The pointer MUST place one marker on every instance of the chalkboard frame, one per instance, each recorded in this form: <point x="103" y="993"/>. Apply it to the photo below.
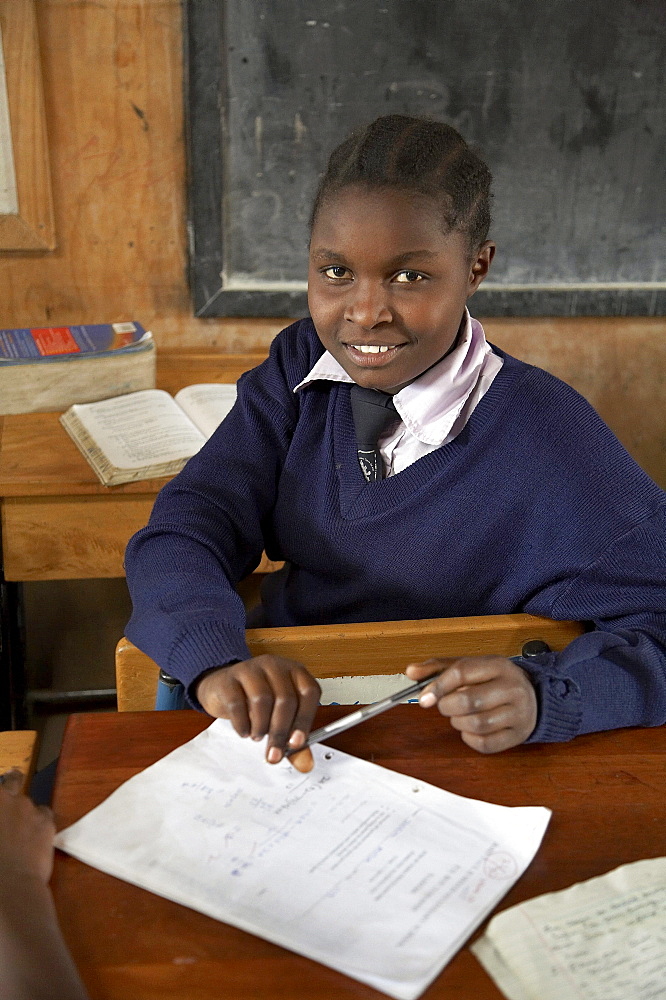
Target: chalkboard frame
<point x="205" y="100"/>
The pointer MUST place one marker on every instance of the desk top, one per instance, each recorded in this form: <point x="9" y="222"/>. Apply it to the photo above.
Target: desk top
<point x="37" y="457"/>
<point x="607" y="792"/>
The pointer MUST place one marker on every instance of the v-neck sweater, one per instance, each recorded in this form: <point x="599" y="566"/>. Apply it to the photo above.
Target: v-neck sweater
<point x="535" y="507"/>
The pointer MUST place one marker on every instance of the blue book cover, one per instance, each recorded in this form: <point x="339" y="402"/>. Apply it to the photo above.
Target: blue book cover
<point x="65" y="343"/>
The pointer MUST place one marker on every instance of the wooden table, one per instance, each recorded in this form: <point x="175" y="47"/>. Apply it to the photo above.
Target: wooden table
<point x="57" y="521"/>
<point x="607" y="792"/>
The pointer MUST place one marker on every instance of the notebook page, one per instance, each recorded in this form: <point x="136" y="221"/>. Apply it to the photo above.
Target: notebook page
<point x="207" y="404"/>
<point x="289" y="856"/>
<point x="603" y="939"/>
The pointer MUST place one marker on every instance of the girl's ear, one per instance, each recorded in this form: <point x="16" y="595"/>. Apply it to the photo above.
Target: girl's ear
<point x="480" y="266"/>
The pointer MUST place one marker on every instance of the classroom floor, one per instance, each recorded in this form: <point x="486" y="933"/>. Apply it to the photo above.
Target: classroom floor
<point x="71" y="627"/>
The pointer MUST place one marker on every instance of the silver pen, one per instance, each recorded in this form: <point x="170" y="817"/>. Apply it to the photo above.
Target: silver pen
<point x="360" y="715"/>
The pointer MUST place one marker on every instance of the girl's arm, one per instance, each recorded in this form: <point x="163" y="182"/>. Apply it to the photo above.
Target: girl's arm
<point x="611" y="677"/>
<point x="206" y="533"/>
<point x="614" y="675"/>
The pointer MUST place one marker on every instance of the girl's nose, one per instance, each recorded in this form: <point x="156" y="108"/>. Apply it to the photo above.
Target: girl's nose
<point x="368" y="306"/>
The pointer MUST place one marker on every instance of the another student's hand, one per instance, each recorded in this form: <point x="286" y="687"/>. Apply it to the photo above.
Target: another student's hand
<point x="489" y="699"/>
<point x="34" y="961"/>
<point x="26" y="834"/>
<point x="267" y="694"/>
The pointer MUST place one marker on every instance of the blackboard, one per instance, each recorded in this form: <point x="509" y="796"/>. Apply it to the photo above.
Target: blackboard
<point x="563" y="99"/>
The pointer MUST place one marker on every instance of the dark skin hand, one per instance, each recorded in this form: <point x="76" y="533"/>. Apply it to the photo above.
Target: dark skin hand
<point x="266" y="695"/>
<point x="489" y="699"/>
<point x="34" y="961"/>
<point x="26" y="833"/>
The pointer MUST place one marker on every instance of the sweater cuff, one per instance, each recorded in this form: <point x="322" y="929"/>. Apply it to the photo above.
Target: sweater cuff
<point x="202" y="648"/>
<point x="560" y="710"/>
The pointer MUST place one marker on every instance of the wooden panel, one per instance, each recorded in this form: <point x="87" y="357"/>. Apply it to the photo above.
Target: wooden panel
<point x="18" y="749"/>
<point x="52" y="539"/>
<point x="362" y="649"/>
<point x="387" y="647"/>
<point x="32" y="228"/>
<point x="74" y="539"/>
<point x="178" y="368"/>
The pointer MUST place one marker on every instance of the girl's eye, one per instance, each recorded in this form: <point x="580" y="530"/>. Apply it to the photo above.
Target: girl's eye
<point x="410" y="277"/>
<point x="336" y="271"/>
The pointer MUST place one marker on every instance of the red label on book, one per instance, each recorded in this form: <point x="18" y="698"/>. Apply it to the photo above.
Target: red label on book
<point x="54" y="340"/>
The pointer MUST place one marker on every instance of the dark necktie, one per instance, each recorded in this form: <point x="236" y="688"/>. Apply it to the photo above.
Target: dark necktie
<point x="373" y="412"/>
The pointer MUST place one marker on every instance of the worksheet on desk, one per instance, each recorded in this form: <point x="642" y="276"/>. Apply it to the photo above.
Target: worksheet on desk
<point x="376" y="874"/>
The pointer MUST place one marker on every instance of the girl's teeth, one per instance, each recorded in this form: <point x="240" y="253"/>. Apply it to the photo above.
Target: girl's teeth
<point x="372" y="348"/>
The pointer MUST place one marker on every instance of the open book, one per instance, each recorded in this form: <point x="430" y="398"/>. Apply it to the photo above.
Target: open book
<point x="148" y="434"/>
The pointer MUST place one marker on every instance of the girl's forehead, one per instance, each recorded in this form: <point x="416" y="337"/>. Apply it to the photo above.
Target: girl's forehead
<point x="358" y="199"/>
<point x="381" y="217"/>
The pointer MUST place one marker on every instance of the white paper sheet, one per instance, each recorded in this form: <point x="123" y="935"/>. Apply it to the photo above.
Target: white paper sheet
<point x="360" y="689"/>
<point x="604" y="939"/>
<point x="373" y="873"/>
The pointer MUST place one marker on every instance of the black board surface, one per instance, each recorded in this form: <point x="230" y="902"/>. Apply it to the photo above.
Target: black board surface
<point x="564" y="99"/>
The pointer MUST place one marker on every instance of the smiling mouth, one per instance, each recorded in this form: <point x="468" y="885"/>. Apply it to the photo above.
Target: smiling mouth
<point x="373" y="354"/>
<point x="373" y="348"/>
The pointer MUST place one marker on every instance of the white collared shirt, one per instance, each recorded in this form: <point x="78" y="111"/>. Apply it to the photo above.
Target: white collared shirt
<point x="437" y="405"/>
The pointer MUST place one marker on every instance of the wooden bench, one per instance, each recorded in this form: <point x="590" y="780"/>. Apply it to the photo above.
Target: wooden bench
<point x="364" y="649"/>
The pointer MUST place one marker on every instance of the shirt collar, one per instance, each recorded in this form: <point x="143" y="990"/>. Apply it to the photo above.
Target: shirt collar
<point x="430" y="405"/>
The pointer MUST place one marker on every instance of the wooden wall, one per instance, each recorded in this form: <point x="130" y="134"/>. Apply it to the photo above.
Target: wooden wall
<point x="112" y="72"/>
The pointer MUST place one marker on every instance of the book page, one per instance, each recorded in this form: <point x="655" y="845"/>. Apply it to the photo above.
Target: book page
<point x="140" y="429"/>
<point x="207" y="404"/>
<point x="289" y="856"/>
<point x="604" y="939"/>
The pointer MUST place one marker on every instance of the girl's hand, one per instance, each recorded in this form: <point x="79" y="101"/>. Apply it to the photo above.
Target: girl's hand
<point x="266" y="694"/>
<point x="489" y="699"/>
<point x="26" y="834"/>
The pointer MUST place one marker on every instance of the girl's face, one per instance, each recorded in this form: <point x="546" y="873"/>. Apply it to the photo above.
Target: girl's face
<point x="386" y="286"/>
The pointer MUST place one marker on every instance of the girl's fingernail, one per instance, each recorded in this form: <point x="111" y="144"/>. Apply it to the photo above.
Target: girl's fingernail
<point x="296" y="738"/>
<point x="274" y="755"/>
<point x="427" y="700"/>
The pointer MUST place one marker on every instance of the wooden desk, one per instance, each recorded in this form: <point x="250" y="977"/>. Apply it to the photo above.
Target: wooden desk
<point x="607" y="792"/>
<point x="57" y="521"/>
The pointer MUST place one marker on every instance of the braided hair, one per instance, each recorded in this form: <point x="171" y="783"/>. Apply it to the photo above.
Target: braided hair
<point x="417" y="155"/>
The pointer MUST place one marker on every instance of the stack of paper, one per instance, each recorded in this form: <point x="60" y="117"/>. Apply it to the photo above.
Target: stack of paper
<point x="604" y="939"/>
<point x="373" y="873"/>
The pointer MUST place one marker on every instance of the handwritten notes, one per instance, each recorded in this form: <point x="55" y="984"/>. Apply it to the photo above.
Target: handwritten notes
<point x="604" y="939"/>
<point x="373" y="873"/>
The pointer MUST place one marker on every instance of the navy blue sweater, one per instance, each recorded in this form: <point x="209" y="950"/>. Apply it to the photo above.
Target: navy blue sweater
<point x="534" y="507"/>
